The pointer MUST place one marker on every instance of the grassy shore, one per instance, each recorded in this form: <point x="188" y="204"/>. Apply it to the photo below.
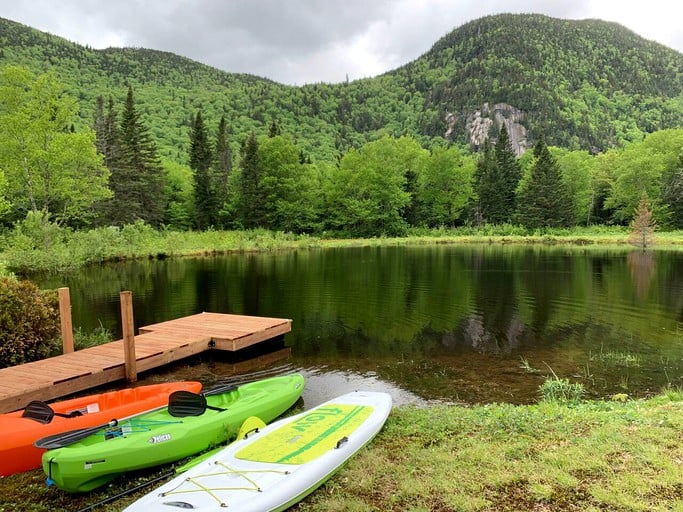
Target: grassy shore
<point x="616" y="455"/>
<point x="53" y="249"/>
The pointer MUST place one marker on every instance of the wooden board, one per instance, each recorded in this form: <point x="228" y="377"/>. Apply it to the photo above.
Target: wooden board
<point x="155" y="346"/>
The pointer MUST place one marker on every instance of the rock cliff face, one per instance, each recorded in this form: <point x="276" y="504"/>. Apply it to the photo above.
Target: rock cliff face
<point x="486" y="123"/>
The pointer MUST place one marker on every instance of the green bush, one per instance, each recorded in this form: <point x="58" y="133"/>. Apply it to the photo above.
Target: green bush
<point x="561" y="390"/>
<point x="29" y="322"/>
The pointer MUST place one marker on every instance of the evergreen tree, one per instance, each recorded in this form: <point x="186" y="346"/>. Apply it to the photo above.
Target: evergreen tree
<point x="410" y="213"/>
<point x="274" y="130"/>
<point x="222" y="164"/>
<point x="643" y="225"/>
<point x="250" y="209"/>
<point x="141" y="194"/>
<point x="509" y="174"/>
<point x="201" y="157"/>
<point x="496" y="178"/>
<point x="99" y="125"/>
<point x="108" y="143"/>
<point x="485" y="185"/>
<point x="544" y="201"/>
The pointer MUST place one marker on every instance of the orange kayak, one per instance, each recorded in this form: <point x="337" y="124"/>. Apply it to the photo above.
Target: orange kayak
<point x="20" y="429"/>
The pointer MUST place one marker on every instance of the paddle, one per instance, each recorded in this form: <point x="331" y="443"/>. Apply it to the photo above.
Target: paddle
<point x="72" y="436"/>
<point x="185" y="403"/>
<point x="43" y="413"/>
<point x="181" y="405"/>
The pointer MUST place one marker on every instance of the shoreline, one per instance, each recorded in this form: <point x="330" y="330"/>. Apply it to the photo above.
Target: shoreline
<point x="581" y="455"/>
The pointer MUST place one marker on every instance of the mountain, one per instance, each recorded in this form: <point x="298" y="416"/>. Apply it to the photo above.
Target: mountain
<point x="582" y="84"/>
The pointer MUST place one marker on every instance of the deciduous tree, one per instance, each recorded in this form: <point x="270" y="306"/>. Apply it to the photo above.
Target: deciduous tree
<point x="286" y="186"/>
<point x="444" y="187"/>
<point x="644" y="167"/>
<point x="672" y="194"/>
<point x="366" y="192"/>
<point x="50" y="169"/>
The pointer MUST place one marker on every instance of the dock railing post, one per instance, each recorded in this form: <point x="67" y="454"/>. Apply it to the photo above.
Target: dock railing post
<point x="65" y="320"/>
<point x="128" y="327"/>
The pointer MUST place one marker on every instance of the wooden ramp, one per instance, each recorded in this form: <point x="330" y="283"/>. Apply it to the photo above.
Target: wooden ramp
<point x="155" y="345"/>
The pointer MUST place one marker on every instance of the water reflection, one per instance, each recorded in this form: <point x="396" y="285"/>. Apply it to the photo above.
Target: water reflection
<point x="642" y="266"/>
<point x="452" y="323"/>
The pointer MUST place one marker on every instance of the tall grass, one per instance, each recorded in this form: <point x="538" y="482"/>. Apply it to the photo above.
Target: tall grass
<point x="34" y="245"/>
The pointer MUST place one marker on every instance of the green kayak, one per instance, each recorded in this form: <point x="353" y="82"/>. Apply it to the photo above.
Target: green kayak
<point x="190" y="424"/>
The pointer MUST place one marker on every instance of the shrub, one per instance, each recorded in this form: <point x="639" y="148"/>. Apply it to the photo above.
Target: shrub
<point x="29" y="321"/>
<point x="561" y="390"/>
<point x="98" y="336"/>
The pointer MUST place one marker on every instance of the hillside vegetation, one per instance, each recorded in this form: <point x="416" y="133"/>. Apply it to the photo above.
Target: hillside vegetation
<point x="582" y="84"/>
<point x="115" y="138"/>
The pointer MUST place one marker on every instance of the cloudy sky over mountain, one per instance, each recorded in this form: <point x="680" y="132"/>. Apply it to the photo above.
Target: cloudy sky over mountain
<point x="305" y="41"/>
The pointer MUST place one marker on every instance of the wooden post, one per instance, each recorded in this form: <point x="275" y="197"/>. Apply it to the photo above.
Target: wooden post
<point x="128" y="335"/>
<point x="65" y="319"/>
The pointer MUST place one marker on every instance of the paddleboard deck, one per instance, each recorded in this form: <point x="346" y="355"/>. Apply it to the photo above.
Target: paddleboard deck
<point x="277" y="466"/>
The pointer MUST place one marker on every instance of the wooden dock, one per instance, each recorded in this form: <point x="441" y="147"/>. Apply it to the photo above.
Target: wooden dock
<point x="155" y="345"/>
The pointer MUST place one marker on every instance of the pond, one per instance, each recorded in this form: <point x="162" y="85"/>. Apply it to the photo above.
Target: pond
<point x="445" y="323"/>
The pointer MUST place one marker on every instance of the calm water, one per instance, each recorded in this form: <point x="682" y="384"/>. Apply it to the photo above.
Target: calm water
<point x="440" y="323"/>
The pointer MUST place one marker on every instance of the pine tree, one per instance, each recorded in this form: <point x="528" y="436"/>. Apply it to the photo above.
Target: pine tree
<point x="485" y="185"/>
<point x="274" y="130"/>
<point x="544" y="202"/>
<point x="496" y="178"/>
<point x="99" y="125"/>
<point x="115" y="210"/>
<point x="643" y="225"/>
<point x="201" y="157"/>
<point x="141" y="184"/>
<point x="250" y="209"/>
<point x="222" y="165"/>
<point x="509" y="174"/>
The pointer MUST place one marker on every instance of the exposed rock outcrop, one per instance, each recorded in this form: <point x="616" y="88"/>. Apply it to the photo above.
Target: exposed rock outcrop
<point x="486" y="123"/>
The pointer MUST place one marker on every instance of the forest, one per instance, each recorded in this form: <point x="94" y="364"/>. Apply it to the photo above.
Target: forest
<point x="95" y="138"/>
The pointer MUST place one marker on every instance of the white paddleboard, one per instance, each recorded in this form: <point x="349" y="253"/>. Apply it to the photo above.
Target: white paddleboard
<point x="277" y="466"/>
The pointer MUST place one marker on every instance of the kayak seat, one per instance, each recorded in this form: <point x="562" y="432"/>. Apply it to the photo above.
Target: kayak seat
<point x="38" y="411"/>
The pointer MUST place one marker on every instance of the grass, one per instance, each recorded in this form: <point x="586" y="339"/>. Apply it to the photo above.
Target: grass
<point x="623" y="359"/>
<point x="554" y="455"/>
<point x="24" y="249"/>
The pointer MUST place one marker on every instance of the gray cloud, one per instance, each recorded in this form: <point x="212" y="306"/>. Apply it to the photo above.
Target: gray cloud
<point x="303" y="41"/>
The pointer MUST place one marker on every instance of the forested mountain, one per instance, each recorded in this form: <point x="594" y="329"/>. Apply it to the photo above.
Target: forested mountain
<point x="146" y="136"/>
<point x="580" y="84"/>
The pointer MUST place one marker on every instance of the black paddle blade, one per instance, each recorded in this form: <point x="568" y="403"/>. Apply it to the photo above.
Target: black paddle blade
<point x="185" y="403"/>
<point x="38" y="411"/>
<point x="70" y="437"/>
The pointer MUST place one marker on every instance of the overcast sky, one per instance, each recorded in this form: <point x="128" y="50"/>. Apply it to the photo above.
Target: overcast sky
<point x="305" y="41"/>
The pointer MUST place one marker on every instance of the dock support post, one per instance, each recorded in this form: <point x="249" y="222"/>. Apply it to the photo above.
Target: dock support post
<point x="65" y="320"/>
<point x="128" y="327"/>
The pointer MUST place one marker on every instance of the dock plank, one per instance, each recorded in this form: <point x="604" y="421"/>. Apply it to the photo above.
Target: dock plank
<point x="156" y="345"/>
